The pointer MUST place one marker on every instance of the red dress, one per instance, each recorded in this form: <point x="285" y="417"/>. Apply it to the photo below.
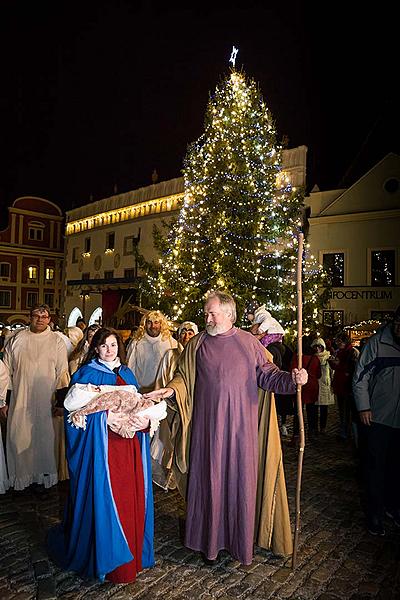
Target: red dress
<point x="127" y="484"/>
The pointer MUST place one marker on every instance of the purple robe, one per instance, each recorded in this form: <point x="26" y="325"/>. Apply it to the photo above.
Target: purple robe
<point x="222" y="484"/>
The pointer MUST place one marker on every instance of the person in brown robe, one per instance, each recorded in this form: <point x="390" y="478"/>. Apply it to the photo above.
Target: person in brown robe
<point x="218" y="465"/>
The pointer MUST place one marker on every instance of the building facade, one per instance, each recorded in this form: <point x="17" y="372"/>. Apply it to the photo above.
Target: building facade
<point x="31" y="259"/>
<point x="355" y="233"/>
<point x="104" y="238"/>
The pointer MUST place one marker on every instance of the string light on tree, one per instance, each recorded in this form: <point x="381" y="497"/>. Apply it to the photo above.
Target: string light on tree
<point x="238" y="225"/>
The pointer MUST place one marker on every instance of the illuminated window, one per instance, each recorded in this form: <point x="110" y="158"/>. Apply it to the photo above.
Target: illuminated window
<point x="333" y="318"/>
<point x="32" y="273"/>
<point x="383" y="265"/>
<point x="333" y="264"/>
<point x="49" y="275"/>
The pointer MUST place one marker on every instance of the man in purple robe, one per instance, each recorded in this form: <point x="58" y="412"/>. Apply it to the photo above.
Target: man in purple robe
<point x="215" y="391"/>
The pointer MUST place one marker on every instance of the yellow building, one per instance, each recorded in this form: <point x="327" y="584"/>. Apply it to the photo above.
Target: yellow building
<point x="355" y="234"/>
<point x="103" y="238"/>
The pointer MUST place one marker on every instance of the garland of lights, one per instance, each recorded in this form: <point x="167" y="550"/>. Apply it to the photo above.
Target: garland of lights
<point x="237" y="227"/>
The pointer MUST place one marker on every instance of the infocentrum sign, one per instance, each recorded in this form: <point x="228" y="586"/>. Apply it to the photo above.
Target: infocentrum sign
<point x="361" y="295"/>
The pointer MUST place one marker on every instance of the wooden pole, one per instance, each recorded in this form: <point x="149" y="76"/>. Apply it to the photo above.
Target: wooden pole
<point x="302" y="440"/>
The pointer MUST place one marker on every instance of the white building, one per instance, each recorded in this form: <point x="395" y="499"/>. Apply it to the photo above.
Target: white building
<point x="355" y="233"/>
<point x="102" y="240"/>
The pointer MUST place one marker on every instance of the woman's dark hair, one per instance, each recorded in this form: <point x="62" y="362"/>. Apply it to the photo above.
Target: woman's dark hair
<point x="99" y="338"/>
<point x="306" y="345"/>
<point x="81" y="345"/>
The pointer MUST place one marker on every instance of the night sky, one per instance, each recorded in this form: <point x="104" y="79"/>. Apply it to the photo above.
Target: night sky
<point x="100" y="94"/>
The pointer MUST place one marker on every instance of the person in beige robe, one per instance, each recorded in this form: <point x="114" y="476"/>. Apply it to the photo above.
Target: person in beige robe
<point x="162" y="449"/>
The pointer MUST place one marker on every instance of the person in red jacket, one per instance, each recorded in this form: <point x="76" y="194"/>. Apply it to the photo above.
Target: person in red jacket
<point x="309" y="391"/>
<point x="344" y="364"/>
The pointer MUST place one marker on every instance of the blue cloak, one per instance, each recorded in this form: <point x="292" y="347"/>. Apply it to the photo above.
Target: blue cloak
<point x="90" y="540"/>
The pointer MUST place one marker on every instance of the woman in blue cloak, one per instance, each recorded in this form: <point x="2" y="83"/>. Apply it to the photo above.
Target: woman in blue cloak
<point x="108" y="527"/>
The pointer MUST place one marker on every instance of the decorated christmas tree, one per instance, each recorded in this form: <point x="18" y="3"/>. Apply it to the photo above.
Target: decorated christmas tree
<point x="237" y="228"/>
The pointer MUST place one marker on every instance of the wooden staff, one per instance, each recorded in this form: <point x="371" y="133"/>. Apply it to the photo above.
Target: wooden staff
<point x="298" y="396"/>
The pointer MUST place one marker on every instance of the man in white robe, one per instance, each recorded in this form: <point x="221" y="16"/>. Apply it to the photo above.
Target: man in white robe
<point x="36" y="359"/>
<point x="152" y="340"/>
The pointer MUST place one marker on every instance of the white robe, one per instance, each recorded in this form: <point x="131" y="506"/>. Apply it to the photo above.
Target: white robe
<point x="38" y="365"/>
<point x="144" y="358"/>
<point x="4" y="484"/>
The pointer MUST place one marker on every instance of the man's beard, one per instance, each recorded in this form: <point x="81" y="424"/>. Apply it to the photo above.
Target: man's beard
<point x="215" y="329"/>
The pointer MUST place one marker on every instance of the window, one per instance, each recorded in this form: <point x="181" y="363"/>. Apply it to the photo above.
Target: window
<point x="5" y="270"/>
<point x="108" y="274"/>
<point x="49" y="275"/>
<point x="110" y="241"/>
<point x="383" y="265"/>
<point x="382" y="315"/>
<point x="5" y="298"/>
<point x="87" y="244"/>
<point x="49" y="299"/>
<point x="333" y="318"/>
<point x="85" y="276"/>
<point x="31" y="299"/>
<point x="35" y="231"/>
<point x="131" y="244"/>
<point x="32" y="273"/>
<point x="129" y="273"/>
<point x="75" y="255"/>
<point x="333" y="264"/>
<point x="391" y="185"/>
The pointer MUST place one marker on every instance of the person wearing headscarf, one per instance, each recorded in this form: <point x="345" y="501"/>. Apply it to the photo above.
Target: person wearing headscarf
<point x="108" y="528"/>
<point x="326" y="397"/>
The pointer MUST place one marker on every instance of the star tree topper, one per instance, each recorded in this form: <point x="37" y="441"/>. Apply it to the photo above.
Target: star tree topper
<point x="233" y="56"/>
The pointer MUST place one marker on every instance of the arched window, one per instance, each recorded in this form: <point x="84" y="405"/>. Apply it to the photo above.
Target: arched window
<point x="96" y="316"/>
<point x="73" y="316"/>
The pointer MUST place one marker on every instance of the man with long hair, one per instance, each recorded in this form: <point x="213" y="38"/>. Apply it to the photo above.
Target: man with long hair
<point x="151" y="341"/>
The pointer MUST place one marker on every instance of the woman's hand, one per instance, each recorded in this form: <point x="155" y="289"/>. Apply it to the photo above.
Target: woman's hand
<point x="158" y="395"/>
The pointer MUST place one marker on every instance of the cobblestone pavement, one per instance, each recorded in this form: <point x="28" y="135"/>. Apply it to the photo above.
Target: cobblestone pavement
<point x="337" y="558"/>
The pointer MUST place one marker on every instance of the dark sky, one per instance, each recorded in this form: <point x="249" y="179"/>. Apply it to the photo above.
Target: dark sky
<point x="98" y="94"/>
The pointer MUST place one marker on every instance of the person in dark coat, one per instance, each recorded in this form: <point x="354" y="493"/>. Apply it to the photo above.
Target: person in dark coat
<point x="376" y="386"/>
<point x="344" y="364"/>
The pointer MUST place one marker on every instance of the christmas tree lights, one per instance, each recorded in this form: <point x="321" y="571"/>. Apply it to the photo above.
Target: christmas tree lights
<point x="238" y="225"/>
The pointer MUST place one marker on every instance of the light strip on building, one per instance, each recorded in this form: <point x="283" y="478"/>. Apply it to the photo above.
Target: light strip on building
<point x="126" y="213"/>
